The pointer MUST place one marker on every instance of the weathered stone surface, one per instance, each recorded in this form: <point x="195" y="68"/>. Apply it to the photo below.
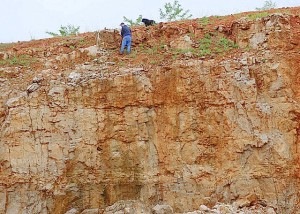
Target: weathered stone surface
<point x="72" y="211"/>
<point x="232" y="209"/>
<point x="37" y="79"/>
<point x="183" y="42"/>
<point x="185" y="133"/>
<point x="92" y="51"/>
<point x="264" y="32"/>
<point x="162" y="209"/>
<point x="90" y="211"/>
<point x="33" y="87"/>
<point x="128" y="207"/>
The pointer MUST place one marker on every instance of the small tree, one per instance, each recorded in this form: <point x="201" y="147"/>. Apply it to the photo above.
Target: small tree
<point x="267" y="5"/>
<point x="172" y="12"/>
<point x="130" y="22"/>
<point x="65" y="31"/>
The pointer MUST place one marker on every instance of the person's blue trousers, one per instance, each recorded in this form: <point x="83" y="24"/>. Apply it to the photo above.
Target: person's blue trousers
<point x="126" y="42"/>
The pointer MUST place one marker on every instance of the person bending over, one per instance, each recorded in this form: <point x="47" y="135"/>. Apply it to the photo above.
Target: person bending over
<point x="126" y="38"/>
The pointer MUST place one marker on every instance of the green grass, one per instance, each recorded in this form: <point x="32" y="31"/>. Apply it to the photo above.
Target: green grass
<point x="151" y="51"/>
<point x="175" y="56"/>
<point x="142" y="46"/>
<point x="82" y="41"/>
<point x="217" y="17"/>
<point x="257" y="15"/>
<point x="210" y="44"/>
<point x="133" y="54"/>
<point x="227" y="44"/>
<point x="183" y="51"/>
<point x="248" y="48"/>
<point x="223" y="45"/>
<point x="205" y="45"/>
<point x="204" y="52"/>
<point x="23" y="60"/>
<point x="204" y="21"/>
<point x="153" y="62"/>
<point x="162" y="45"/>
<point x="287" y="12"/>
<point x="192" y="35"/>
<point x="4" y="46"/>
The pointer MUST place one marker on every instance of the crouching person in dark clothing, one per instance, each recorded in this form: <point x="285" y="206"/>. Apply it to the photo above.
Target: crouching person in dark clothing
<point x="126" y="38"/>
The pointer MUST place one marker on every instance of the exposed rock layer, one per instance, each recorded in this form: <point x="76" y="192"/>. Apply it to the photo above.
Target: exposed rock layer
<point x="197" y="131"/>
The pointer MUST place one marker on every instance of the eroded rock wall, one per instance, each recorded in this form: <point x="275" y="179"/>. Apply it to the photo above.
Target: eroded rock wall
<point x="195" y="132"/>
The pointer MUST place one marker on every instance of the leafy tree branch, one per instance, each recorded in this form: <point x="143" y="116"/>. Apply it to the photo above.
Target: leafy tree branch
<point x="65" y="31"/>
<point x="172" y="12"/>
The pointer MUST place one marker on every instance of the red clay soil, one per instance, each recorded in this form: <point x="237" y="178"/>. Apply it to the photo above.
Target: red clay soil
<point x="37" y="49"/>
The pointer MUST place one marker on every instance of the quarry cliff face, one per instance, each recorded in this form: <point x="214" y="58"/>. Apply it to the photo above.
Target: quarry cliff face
<point x="186" y="131"/>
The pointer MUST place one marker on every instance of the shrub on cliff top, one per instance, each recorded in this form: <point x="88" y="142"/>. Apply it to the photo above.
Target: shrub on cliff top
<point x="172" y="12"/>
<point x="131" y="22"/>
<point x="267" y="5"/>
<point x="65" y="31"/>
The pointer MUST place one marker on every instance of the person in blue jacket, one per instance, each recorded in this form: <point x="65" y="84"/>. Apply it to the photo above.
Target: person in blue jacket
<point x="126" y="38"/>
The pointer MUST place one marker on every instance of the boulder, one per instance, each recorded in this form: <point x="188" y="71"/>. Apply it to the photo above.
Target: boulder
<point x="162" y="209"/>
